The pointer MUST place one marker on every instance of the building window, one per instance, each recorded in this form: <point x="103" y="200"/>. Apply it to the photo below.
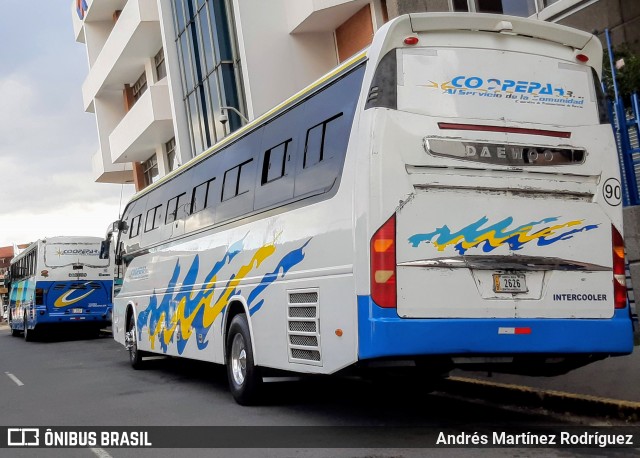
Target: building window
<point x="522" y="8"/>
<point x="210" y="68"/>
<point x="161" y="69"/>
<point x="150" y="170"/>
<point x="460" y="5"/>
<point x="172" y="158"/>
<point x="139" y="87"/>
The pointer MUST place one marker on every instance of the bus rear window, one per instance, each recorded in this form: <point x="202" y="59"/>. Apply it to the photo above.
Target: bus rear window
<point x="495" y="85"/>
<point x="65" y="254"/>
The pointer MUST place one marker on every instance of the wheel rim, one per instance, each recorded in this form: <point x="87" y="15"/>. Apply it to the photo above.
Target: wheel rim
<point x="238" y="360"/>
<point x="134" y="348"/>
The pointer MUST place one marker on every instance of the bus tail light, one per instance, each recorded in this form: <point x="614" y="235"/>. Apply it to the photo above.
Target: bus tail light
<point x="39" y="296"/>
<point x="619" y="277"/>
<point x="383" y="265"/>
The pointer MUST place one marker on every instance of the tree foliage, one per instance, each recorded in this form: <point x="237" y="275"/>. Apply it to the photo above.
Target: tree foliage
<point x="628" y="77"/>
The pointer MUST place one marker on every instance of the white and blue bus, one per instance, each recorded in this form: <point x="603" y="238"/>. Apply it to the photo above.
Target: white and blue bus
<point x="60" y="281"/>
<point x="449" y="197"/>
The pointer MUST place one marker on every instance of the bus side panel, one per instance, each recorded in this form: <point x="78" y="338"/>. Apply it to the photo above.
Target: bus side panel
<point x="21" y="303"/>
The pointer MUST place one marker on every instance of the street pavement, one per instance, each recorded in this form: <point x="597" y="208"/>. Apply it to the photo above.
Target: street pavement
<point x="612" y="378"/>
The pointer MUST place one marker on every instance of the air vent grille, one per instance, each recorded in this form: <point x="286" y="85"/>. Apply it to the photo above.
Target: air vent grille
<point x="304" y="327"/>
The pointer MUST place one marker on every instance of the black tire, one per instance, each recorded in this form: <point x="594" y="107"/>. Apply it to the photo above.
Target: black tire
<point x="245" y="378"/>
<point x="135" y="355"/>
<point x="14" y="332"/>
<point x="29" y="335"/>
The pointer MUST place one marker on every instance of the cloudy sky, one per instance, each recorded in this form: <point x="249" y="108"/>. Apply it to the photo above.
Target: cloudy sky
<point x="47" y="141"/>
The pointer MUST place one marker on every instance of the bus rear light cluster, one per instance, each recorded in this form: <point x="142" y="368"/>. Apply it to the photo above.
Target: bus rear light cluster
<point x="619" y="277"/>
<point x="411" y="41"/>
<point x="383" y="265"/>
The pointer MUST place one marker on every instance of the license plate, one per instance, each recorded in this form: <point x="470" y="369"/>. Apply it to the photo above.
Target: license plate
<point x="509" y="283"/>
<point x="77" y="310"/>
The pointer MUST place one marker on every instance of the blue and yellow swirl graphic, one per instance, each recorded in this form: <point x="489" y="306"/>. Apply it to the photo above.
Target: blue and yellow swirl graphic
<point x="183" y="311"/>
<point x="542" y="232"/>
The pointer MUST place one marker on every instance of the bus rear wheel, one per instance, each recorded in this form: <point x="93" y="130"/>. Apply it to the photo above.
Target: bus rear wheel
<point x="14" y="332"/>
<point x="245" y="378"/>
<point x="29" y="335"/>
<point x="135" y="355"/>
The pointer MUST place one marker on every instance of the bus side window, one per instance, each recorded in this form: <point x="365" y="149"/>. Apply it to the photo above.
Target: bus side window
<point x="319" y="145"/>
<point x="199" y="200"/>
<point x="320" y="167"/>
<point x="274" y="163"/>
<point x="134" y="230"/>
<point x="152" y="220"/>
<point x="172" y="207"/>
<point x="236" y="180"/>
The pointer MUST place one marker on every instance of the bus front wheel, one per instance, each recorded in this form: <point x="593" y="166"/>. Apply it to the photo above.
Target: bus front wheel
<point x="135" y="355"/>
<point x="245" y="378"/>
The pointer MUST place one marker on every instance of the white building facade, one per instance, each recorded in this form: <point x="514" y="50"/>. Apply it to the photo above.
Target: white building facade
<point x="168" y="79"/>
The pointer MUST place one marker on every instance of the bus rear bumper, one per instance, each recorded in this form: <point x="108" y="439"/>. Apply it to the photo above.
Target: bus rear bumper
<point x="382" y="333"/>
<point x="97" y="318"/>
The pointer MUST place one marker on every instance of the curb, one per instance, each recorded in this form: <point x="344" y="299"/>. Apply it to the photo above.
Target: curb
<point x="557" y="401"/>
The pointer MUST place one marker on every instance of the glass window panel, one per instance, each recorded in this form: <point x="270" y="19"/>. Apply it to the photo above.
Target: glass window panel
<point x="196" y="127"/>
<point x="512" y="7"/>
<point x="135" y="227"/>
<point x="212" y="199"/>
<point x="230" y="184"/>
<point x="333" y="140"/>
<point x="246" y="178"/>
<point x="173" y="206"/>
<point x="196" y="41"/>
<point x="222" y="35"/>
<point x="179" y="15"/>
<point x="186" y="62"/>
<point x="199" y="200"/>
<point x="206" y="44"/>
<point x="204" y="113"/>
<point x="151" y="215"/>
<point x="189" y="9"/>
<point x="460" y="5"/>
<point x="158" y="217"/>
<point x="213" y="135"/>
<point x="274" y="162"/>
<point x="313" y="146"/>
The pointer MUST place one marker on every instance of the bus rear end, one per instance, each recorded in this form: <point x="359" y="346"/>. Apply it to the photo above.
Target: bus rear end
<point x="75" y="286"/>
<point x="496" y="214"/>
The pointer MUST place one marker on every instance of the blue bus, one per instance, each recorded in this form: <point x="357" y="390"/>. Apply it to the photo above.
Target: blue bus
<point x="60" y="280"/>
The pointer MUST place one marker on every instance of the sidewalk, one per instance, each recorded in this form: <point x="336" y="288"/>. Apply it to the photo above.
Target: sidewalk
<point x="614" y="378"/>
